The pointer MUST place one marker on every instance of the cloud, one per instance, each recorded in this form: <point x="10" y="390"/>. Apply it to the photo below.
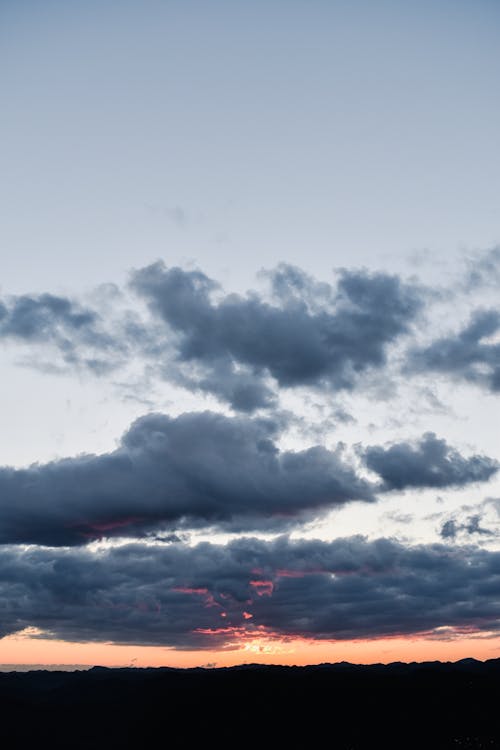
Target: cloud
<point x="195" y="469"/>
<point x="239" y="348"/>
<point x="483" y="270"/>
<point x="245" y="349"/>
<point x="309" y="334"/>
<point x="200" y="597"/>
<point x="472" y="525"/>
<point x="472" y="354"/>
<point x="75" y="331"/>
<point x="203" y="469"/>
<point x="429" y="463"/>
<point x="244" y="390"/>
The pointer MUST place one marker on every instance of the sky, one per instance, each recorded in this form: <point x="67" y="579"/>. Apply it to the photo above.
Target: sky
<point x="249" y="332"/>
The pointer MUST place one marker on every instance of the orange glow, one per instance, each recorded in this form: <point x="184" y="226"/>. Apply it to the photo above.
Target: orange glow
<point x="282" y="573"/>
<point x="263" y="588"/>
<point x="249" y="646"/>
<point x="209" y="599"/>
<point x="247" y="615"/>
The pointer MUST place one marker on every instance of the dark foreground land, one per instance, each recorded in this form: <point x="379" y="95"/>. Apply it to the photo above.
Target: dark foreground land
<point x="340" y="706"/>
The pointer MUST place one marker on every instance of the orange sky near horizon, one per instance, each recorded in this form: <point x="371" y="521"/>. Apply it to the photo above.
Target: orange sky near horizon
<point x="22" y="649"/>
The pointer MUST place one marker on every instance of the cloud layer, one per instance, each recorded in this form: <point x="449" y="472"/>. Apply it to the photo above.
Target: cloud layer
<point x="218" y="596"/>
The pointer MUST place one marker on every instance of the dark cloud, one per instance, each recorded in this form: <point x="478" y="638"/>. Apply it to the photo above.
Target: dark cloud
<point x="208" y="470"/>
<point x="43" y="317"/>
<point x="196" y="469"/>
<point x="472" y="525"/>
<point x="75" y="331"/>
<point x="467" y="355"/>
<point x="246" y="391"/>
<point x="243" y="349"/>
<point x="311" y="334"/>
<point x="449" y="529"/>
<point x="211" y="596"/>
<point x="431" y="463"/>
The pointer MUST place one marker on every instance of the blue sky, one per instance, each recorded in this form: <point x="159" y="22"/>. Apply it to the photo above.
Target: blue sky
<point x="240" y="134"/>
<point x="343" y="139"/>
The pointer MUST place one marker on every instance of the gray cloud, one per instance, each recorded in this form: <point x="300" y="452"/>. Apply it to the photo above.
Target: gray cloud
<point x="244" y="348"/>
<point x="240" y="349"/>
<point x="472" y="525"/>
<point x="483" y="270"/>
<point x="312" y="334"/>
<point x="77" y="332"/>
<point x="206" y="469"/>
<point x="196" y="469"/>
<point x="245" y="390"/>
<point x="466" y="355"/>
<point x="210" y="595"/>
<point x="429" y="463"/>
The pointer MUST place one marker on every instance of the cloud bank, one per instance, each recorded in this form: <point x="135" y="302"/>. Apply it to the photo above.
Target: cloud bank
<point x="213" y="596"/>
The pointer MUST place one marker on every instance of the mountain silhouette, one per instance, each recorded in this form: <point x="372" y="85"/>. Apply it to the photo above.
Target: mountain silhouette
<point x="343" y="706"/>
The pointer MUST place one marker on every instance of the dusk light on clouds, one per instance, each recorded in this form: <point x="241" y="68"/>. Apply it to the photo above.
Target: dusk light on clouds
<point x="249" y="332"/>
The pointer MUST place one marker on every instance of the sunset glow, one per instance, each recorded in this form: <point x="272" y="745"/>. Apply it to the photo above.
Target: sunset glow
<point x="23" y="649"/>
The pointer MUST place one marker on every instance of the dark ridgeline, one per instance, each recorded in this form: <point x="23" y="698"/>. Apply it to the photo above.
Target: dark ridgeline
<point x="340" y="706"/>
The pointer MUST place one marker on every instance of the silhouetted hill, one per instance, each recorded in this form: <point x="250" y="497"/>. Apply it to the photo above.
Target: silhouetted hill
<point x="342" y="706"/>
